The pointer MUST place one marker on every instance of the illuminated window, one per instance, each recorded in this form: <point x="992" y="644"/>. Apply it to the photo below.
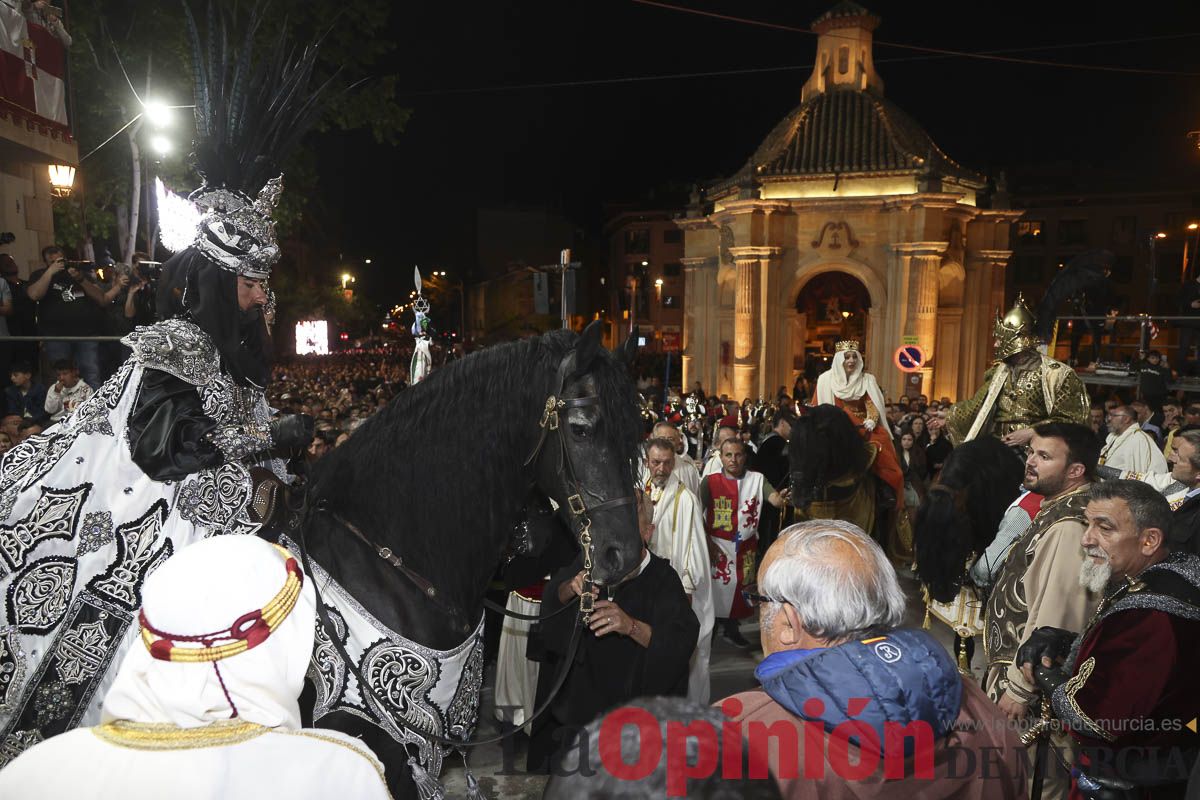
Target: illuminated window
<point x="1029" y="231"/>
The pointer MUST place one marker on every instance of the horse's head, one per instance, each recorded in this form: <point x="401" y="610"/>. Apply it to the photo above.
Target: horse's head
<point x="585" y="459"/>
<point x="824" y="446"/>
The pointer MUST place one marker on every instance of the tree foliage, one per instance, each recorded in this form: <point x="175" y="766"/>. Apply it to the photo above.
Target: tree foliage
<point x="127" y="50"/>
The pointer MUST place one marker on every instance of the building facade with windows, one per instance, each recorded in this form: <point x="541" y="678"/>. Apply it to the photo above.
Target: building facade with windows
<point x="644" y="281"/>
<point x="34" y="130"/>
<point x="847" y="222"/>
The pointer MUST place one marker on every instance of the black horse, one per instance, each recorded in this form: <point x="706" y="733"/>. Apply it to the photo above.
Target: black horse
<point x="439" y="477"/>
<point x="956" y="523"/>
<point x="962" y="511"/>
<point x="831" y="465"/>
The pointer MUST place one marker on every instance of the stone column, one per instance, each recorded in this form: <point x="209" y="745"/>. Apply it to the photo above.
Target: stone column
<point x="924" y="259"/>
<point x="745" y="330"/>
<point x="692" y="346"/>
<point x="981" y="299"/>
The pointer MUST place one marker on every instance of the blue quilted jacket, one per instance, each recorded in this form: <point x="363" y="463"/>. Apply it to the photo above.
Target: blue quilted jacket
<point x="902" y="677"/>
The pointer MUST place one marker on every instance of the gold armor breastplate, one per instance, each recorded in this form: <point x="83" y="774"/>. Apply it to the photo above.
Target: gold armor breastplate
<point x="1023" y="399"/>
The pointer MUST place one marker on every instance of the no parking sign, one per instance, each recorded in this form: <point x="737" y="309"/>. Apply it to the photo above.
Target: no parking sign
<point x="910" y="358"/>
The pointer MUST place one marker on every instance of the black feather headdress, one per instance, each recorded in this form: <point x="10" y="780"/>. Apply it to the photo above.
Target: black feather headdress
<point x="250" y="114"/>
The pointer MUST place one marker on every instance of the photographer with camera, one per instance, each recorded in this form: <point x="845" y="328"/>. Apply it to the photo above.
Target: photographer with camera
<point x="61" y="293"/>
<point x="139" y="295"/>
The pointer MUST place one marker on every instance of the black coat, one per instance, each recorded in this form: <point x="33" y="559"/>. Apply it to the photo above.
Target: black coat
<point x="613" y="669"/>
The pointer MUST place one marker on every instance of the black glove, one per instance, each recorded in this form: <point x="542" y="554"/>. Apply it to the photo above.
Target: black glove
<point x="1053" y="644"/>
<point x="292" y="431"/>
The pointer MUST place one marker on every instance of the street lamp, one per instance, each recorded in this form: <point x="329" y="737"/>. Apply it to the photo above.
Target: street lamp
<point x="160" y="145"/>
<point x="62" y="178"/>
<point x="157" y="113"/>
<point x="347" y="278"/>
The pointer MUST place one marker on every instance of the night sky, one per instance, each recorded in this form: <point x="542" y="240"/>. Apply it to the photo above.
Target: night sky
<point x="578" y="149"/>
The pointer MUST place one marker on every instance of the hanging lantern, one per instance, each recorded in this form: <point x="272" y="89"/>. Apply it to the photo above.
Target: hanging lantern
<point x="62" y="178"/>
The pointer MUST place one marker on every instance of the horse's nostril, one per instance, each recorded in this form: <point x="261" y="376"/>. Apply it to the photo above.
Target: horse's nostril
<point x="612" y="559"/>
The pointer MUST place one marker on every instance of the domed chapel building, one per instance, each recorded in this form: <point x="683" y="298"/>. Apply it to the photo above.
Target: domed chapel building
<point x="848" y="221"/>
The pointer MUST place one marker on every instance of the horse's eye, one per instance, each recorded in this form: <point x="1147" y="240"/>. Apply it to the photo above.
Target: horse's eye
<point x="580" y="431"/>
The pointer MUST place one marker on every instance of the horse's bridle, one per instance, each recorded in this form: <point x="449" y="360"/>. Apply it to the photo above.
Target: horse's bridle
<point x="578" y="510"/>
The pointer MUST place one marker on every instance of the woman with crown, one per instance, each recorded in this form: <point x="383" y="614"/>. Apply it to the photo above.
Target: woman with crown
<point x="854" y="390"/>
<point x="162" y="454"/>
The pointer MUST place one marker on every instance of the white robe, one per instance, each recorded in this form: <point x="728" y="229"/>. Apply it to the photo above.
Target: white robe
<point x="516" y="675"/>
<point x="193" y="700"/>
<point x="1134" y="450"/>
<point x="80" y="765"/>
<point x="679" y="537"/>
<point x="687" y="471"/>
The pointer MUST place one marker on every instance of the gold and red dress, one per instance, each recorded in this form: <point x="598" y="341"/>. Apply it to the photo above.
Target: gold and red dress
<point x="886" y="465"/>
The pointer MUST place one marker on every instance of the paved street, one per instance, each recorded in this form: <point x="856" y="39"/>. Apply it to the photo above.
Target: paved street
<point x="732" y="671"/>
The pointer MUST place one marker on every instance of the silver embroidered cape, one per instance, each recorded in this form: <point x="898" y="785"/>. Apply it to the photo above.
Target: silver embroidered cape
<point x="81" y="526"/>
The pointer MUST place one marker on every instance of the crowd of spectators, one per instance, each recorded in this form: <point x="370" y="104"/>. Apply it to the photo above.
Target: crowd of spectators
<point x="340" y="391"/>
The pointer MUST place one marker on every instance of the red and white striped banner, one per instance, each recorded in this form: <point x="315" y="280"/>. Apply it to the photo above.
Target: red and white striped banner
<point x="32" y="67"/>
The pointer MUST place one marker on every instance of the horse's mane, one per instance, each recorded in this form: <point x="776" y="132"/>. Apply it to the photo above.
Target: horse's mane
<point x="962" y="511"/>
<point x="827" y="445"/>
<point x="438" y="473"/>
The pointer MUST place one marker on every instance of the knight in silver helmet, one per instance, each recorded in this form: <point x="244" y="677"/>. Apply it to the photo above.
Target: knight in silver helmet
<point x="1023" y="388"/>
<point x="162" y="453"/>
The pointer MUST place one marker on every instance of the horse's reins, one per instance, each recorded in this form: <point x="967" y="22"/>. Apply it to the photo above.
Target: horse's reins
<point x="580" y="523"/>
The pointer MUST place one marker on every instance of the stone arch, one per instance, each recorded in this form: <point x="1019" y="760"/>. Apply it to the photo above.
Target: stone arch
<point x="865" y="275"/>
<point x="803" y="275"/>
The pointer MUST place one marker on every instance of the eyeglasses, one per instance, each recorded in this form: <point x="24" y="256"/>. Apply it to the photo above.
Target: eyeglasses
<point x="753" y="598"/>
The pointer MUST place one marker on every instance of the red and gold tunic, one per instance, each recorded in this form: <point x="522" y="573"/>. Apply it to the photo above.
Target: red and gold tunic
<point x="887" y="465"/>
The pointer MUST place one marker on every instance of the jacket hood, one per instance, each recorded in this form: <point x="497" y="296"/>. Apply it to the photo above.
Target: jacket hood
<point x="890" y="680"/>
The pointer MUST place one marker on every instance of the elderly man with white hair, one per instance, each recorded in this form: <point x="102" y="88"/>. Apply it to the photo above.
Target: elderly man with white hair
<point x="891" y="704"/>
<point x="685" y="468"/>
<point x="205" y="704"/>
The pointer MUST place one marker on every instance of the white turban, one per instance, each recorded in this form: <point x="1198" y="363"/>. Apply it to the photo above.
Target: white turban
<point x="203" y="588"/>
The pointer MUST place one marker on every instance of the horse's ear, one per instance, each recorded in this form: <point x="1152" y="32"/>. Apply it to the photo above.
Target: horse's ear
<point x="588" y="346"/>
<point x="628" y="350"/>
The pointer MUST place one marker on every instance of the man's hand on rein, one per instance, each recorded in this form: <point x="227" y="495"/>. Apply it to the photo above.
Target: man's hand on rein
<point x="609" y="618"/>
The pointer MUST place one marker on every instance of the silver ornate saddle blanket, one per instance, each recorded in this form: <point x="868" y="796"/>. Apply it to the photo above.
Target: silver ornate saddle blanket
<point x="432" y="690"/>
